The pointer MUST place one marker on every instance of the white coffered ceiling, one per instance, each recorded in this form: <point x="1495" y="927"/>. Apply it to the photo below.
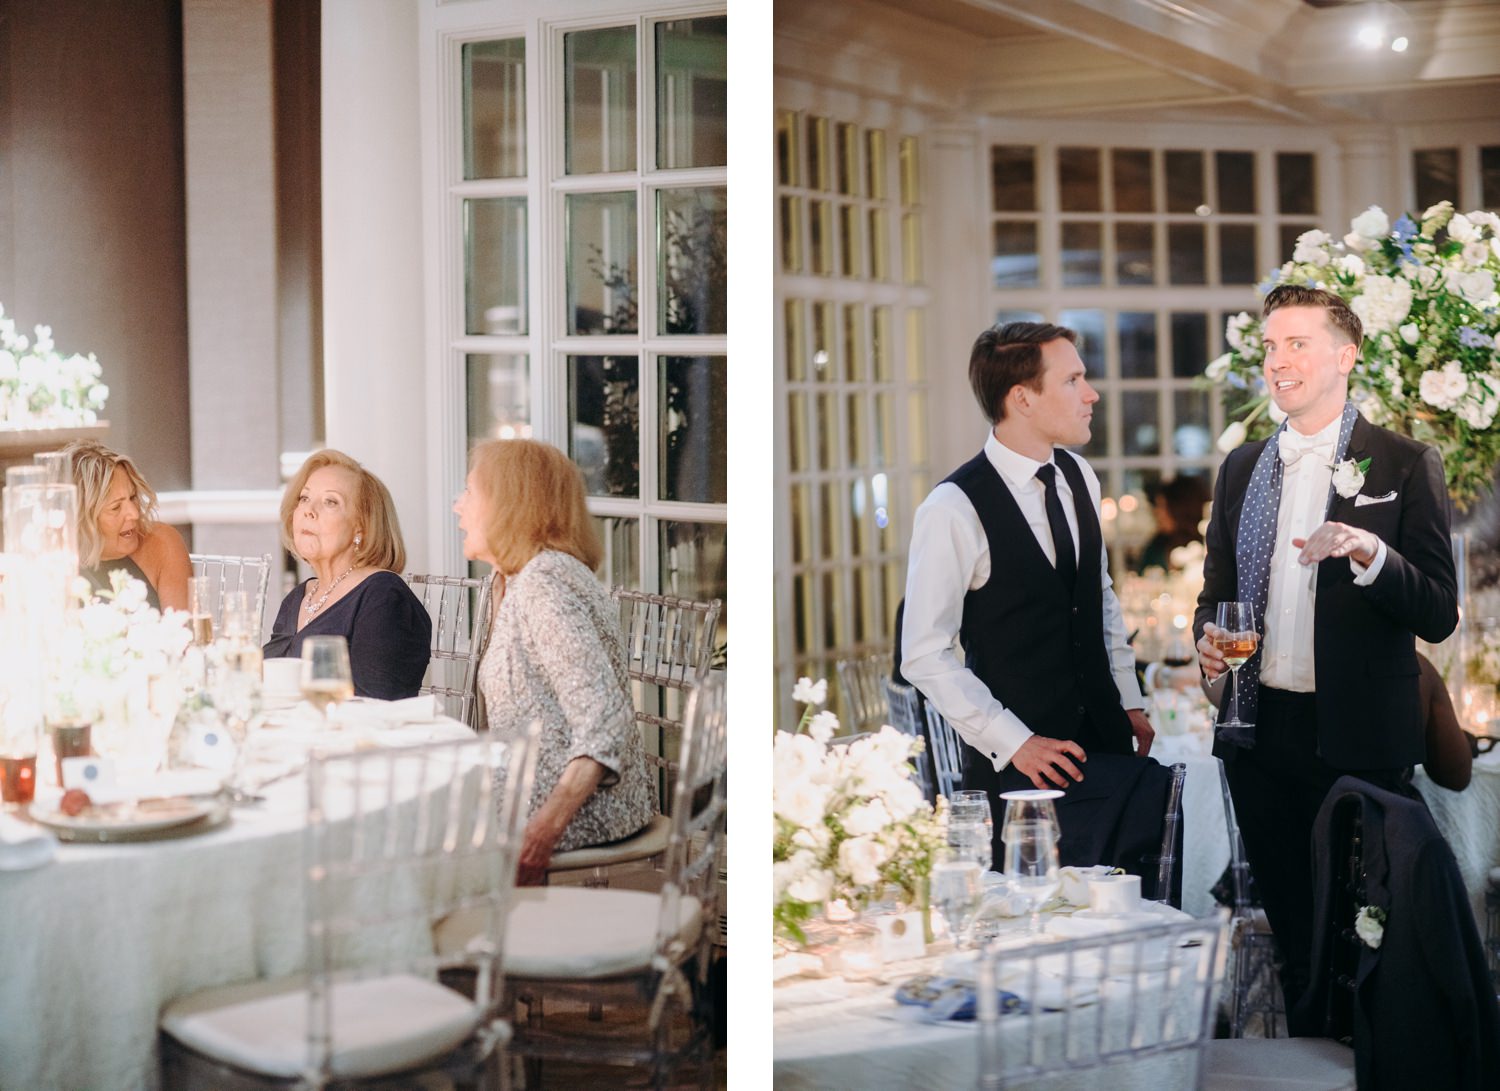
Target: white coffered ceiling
<point x="1137" y="60"/>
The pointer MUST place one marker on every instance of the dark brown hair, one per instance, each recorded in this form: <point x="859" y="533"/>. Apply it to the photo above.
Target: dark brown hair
<point x="1340" y="317"/>
<point x="1007" y="356"/>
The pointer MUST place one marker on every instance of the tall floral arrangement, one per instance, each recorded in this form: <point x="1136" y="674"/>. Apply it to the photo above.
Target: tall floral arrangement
<point x="847" y="819"/>
<point x="41" y="388"/>
<point x="1425" y="290"/>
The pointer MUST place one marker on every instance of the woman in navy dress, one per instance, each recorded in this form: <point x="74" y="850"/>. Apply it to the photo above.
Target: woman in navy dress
<point x="339" y="518"/>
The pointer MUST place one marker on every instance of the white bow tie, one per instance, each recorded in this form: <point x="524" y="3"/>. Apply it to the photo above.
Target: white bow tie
<point x="1293" y="445"/>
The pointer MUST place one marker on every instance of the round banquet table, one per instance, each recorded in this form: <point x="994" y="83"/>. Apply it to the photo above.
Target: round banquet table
<point x="99" y="940"/>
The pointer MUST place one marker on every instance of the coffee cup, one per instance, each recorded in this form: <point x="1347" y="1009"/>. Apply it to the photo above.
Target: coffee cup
<point x="1115" y="894"/>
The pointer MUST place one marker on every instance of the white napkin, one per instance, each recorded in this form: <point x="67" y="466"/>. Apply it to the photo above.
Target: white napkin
<point x="23" y="845"/>
<point x="1074" y="885"/>
<point x="359" y="713"/>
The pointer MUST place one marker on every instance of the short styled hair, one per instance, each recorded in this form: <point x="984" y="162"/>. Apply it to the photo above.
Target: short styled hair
<point x="1340" y="317"/>
<point x="374" y="512"/>
<point x="536" y="501"/>
<point x="94" y="466"/>
<point x="1008" y="356"/>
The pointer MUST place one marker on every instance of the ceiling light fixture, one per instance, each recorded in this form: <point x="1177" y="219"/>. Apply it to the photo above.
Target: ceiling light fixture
<point x="1398" y="45"/>
<point x="1371" y="35"/>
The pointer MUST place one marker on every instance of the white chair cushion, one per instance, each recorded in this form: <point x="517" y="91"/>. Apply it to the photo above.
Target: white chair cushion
<point x="1277" y="1064"/>
<point x="651" y="841"/>
<point x="576" y="933"/>
<point x="381" y="1024"/>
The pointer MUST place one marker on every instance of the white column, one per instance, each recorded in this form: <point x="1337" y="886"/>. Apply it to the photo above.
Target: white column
<point x="1370" y="173"/>
<point x="374" y="390"/>
<point x="233" y="316"/>
<point x="959" y="225"/>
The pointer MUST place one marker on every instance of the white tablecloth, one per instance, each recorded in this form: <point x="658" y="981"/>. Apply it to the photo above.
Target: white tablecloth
<point x="97" y="942"/>
<point x="1205" y="836"/>
<point x="832" y="1035"/>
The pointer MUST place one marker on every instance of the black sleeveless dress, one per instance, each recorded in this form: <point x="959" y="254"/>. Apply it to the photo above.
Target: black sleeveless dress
<point x="99" y="577"/>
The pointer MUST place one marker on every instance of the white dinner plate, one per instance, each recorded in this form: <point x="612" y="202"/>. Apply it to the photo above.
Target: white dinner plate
<point x="129" y="819"/>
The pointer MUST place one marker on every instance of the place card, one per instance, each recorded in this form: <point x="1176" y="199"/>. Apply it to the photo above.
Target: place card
<point x="900" y="936"/>
<point x="94" y="775"/>
<point x="209" y="747"/>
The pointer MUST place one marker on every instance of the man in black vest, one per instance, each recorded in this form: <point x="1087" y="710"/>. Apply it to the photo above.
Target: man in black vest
<point x="1007" y="557"/>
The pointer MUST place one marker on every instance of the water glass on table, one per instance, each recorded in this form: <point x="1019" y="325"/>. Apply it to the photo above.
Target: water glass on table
<point x="1030" y="834"/>
<point x="957" y="890"/>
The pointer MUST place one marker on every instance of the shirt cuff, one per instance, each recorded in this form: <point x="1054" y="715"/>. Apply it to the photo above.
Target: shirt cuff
<point x="1363" y="576"/>
<point x="1130" y="689"/>
<point x="1001" y="738"/>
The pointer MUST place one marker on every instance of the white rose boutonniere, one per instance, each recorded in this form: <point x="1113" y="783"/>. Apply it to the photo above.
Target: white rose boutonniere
<point x="1349" y="477"/>
<point x="1369" y="925"/>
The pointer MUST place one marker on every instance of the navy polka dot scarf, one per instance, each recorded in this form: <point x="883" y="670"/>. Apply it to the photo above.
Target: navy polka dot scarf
<point x="1252" y="556"/>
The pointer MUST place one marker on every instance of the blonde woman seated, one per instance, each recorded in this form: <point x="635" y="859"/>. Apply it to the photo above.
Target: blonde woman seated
<point x="117" y="527"/>
<point x="555" y="652"/>
<point x="339" y="518"/>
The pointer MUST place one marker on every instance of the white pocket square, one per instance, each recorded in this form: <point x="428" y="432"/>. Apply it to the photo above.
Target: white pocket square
<point x="1361" y="500"/>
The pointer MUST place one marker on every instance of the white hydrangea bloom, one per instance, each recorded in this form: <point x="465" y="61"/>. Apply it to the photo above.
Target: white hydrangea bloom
<point x="1312" y="248"/>
<point x="1384" y="302"/>
<point x="1372" y="223"/>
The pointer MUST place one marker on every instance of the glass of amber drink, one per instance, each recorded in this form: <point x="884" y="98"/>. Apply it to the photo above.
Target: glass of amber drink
<point x="1236" y="640"/>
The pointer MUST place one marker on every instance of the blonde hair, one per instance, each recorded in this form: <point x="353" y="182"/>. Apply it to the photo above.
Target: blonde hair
<point x="536" y="499"/>
<point x="374" y="512"/>
<point x="94" y="466"/>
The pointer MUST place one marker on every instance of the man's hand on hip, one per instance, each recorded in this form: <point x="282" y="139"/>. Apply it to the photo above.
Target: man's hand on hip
<point x="1048" y="763"/>
<point x="1141" y="728"/>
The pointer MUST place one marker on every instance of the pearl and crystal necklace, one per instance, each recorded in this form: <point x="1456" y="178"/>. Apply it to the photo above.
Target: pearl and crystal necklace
<point x="313" y="607"/>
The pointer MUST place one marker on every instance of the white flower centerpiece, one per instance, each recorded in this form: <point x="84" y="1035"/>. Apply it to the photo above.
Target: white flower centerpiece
<point x="846" y="819"/>
<point x="41" y="388"/>
<point x="1425" y="291"/>
<point x="118" y="664"/>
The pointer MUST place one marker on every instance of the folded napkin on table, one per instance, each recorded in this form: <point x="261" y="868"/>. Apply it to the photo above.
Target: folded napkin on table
<point x="931" y="998"/>
<point x="23" y="845"/>
<point x="1074" y="885"/>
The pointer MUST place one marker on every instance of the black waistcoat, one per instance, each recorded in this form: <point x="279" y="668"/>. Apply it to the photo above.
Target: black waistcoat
<point x="1040" y="650"/>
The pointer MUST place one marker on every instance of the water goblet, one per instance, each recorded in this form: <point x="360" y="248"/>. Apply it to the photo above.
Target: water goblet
<point x="1031" y="871"/>
<point x="957" y="891"/>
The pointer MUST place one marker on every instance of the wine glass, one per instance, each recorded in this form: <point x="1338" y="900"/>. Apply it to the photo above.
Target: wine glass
<point x="200" y="610"/>
<point x="1031" y="863"/>
<point x="326" y="678"/>
<point x="1033" y="810"/>
<point x="957" y="890"/>
<point x="1236" y="640"/>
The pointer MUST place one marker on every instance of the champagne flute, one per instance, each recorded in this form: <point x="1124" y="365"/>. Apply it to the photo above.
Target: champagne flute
<point x="1236" y="640"/>
<point x="957" y="891"/>
<point x="326" y="678"/>
<point x="200" y="610"/>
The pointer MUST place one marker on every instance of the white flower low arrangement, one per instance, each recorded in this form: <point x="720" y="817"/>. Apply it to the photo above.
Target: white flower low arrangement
<point x="846" y="819"/>
<point x="41" y="388"/>
<point x="1425" y="291"/>
<point x="117" y="663"/>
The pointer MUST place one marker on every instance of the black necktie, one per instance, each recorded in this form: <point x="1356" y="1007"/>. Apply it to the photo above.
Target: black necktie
<point x="1062" y="537"/>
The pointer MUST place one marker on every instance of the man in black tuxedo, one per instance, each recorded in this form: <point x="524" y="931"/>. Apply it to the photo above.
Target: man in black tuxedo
<point x="1007" y="557"/>
<point x="1337" y="532"/>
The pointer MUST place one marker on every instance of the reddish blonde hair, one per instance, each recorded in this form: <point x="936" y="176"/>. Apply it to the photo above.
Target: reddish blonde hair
<point x="374" y="512"/>
<point x="536" y="499"/>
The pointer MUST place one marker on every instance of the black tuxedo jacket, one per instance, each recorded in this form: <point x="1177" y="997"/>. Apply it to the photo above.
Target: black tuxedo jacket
<point x="1369" y="711"/>
<point x="1424" y="1013"/>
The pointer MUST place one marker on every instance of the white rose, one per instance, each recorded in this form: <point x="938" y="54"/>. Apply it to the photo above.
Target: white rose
<point x="860" y="858"/>
<point x="1372" y="223"/>
<point x="1409" y="333"/>
<point x="1358" y="244"/>
<point x="1476" y="252"/>
<point x="1477" y="286"/>
<point x="813" y="838"/>
<point x="867" y="818"/>
<point x="1369" y="925"/>
<point x="803" y="804"/>
<point x="1347" y="478"/>
<point x="1427" y="277"/>
<point x="1352" y="264"/>
<point x="808" y="692"/>
<point x="903" y="799"/>
<point x="795" y="758"/>
<point x="1218" y="367"/>
<point x="1232" y="436"/>
<point x="1434" y="390"/>
<point x="813" y="886"/>
<point x="1462" y="228"/>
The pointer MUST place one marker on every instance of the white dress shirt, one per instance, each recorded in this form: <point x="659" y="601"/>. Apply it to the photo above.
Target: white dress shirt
<point x="1287" y="662"/>
<point x="950" y="556"/>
